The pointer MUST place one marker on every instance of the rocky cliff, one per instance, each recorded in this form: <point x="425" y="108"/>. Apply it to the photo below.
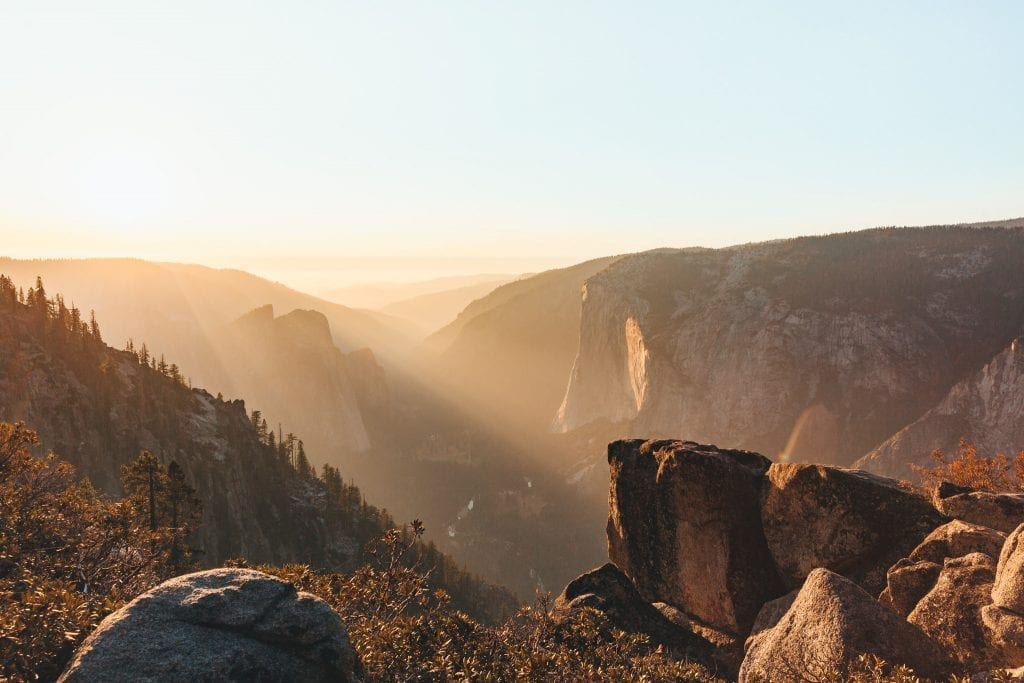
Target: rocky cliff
<point x="814" y="349"/>
<point x="290" y="367"/>
<point x="511" y="351"/>
<point x="793" y="572"/>
<point x="986" y="408"/>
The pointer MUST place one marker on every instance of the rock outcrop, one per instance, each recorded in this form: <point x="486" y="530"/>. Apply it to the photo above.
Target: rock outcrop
<point x="219" y="625"/>
<point x="906" y="583"/>
<point x="831" y="622"/>
<point x="683" y="524"/>
<point x="291" y="366"/>
<point x="772" y="611"/>
<point x="610" y="592"/>
<point x="956" y="539"/>
<point x="951" y="611"/>
<point x="717" y="533"/>
<point x="911" y="578"/>
<point x="1005" y="616"/>
<point x="678" y="512"/>
<point x="1000" y="511"/>
<point x="853" y="523"/>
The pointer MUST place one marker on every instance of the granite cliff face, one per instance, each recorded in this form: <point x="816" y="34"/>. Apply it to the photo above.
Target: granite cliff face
<point x="512" y="349"/>
<point x="290" y="367"/>
<point x="986" y="408"/>
<point x="814" y="349"/>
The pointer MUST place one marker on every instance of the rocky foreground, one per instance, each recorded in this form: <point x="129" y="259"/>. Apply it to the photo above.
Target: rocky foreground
<point x="759" y="571"/>
<point x="219" y="625"/>
<point x="790" y="572"/>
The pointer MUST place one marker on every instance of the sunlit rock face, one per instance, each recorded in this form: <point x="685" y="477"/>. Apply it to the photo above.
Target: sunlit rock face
<point x="815" y="349"/>
<point x="986" y="408"/>
<point x="683" y="524"/>
<point x="830" y="623"/>
<point x="512" y="350"/>
<point x="290" y="363"/>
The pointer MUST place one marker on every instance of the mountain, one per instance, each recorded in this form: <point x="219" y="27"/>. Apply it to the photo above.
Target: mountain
<point x="512" y="349"/>
<point x="178" y="309"/>
<point x="433" y="310"/>
<point x="410" y="447"/>
<point x="98" y="407"/>
<point x="814" y="349"/>
<point x="290" y="367"/>
<point x="300" y="370"/>
<point x="985" y="408"/>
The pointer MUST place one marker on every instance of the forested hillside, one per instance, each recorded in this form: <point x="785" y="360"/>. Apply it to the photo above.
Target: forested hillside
<point x="98" y="408"/>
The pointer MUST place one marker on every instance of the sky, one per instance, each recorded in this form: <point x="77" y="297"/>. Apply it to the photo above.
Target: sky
<point x="331" y="142"/>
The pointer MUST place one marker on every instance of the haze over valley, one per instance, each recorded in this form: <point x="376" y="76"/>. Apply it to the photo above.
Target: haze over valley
<point x="462" y="342"/>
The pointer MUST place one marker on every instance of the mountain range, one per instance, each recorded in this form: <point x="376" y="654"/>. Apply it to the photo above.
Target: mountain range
<point x="872" y="347"/>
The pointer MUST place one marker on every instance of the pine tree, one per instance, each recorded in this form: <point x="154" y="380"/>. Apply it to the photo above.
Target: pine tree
<point x="40" y="291"/>
<point x="186" y="512"/>
<point x="186" y="509"/>
<point x="94" y="328"/>
<point x="302" y="465"/>
<point x="145" y="479"/>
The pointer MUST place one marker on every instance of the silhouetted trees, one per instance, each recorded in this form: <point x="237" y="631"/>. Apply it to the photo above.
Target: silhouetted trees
<point x="163" y="496"/>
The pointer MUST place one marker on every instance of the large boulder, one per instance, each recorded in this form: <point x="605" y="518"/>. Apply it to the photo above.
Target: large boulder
<point x="684" y="524"/>
<point x="830" y="624"/>
<point x="907" y="582"/>
<point x="956" y="539"/>
<point x="1005" y="616"/>
<point x="219" y="625"/>
<point x="851" y="522"/>
<point x="1000" y="511"/>
<point x="951" y="611"/>
<point x="913" y="577"/>
<point x="772" y="611"/>
<point x="609" y="591"/>
<point x="1008" y="591"/>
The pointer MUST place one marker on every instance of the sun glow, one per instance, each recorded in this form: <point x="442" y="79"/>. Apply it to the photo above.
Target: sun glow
<point x="121" y="183"/>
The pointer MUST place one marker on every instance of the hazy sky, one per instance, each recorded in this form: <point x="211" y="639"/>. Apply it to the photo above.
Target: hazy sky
<point x="495" y="136"/>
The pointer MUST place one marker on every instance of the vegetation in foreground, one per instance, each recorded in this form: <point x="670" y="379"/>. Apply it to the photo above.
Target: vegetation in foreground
<point x="68" y="558"/>
<point x="997" y="474"/>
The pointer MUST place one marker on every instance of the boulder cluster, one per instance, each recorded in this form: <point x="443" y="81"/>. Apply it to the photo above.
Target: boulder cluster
<point x="793" y="572"/>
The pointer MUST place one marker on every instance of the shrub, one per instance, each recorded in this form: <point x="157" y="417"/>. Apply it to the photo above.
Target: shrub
<point x="403" y="631"/>
<point x="999" y="473"/>
<point x="67" y="558"/>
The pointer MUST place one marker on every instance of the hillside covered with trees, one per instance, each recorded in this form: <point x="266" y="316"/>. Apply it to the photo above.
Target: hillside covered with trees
<point x="100" y="408"/>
